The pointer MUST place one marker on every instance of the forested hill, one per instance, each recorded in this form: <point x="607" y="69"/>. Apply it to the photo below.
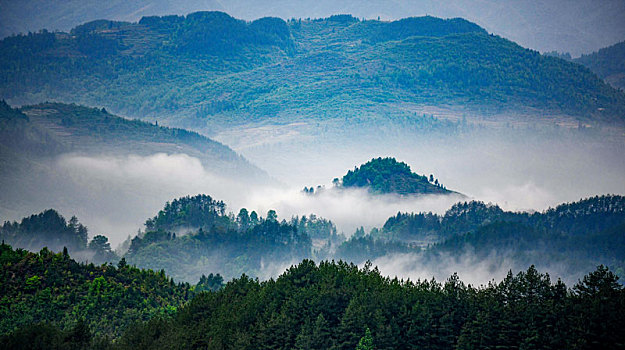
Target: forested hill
<point x="568" y="240"/>
<point x="53" y="289"/>
<point x="208" y="70"/>
<point x="387" y="175"/>
<point x="608" y="63"/>
<point x="51" y="302"/>
<point x="339" y="306"/>
<point x="192" y="235"/>
<point x="32" y="136"/>
<point x="579" y="218"/>
<point x="56" y="128"/>
<point x="49" y="229"/>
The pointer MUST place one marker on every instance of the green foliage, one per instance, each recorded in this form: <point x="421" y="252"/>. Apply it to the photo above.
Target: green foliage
<point x="426" y="26"/>
<point x="102" y="250"/>
<point x="220" y="242"/>
<point x="196" y="212"/>
<point x="218" y="34"/>
<point x="411" y="227"/>
<point x="61" y="294"/>
<point x="210" y="283"/>
<point x="315" y="227"/>
<point x="575" y="236"/>
<point x="332" y="305"/>
<point x="387" y="175"/>
<point x="362" y="248"/>
<point x="576" y="219"/>
<point x="50" y="230"/>
<point x="218" y="71"/>
<point x="608" y="63"/>
<point x="45" y="336"/>
<point x="366" y="342"/>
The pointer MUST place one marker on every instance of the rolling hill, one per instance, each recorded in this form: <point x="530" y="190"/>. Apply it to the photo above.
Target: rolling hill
<point x="569" y="240"/>
<point x="51" y="129"/>
<point x="208" y="71"/>
<point x="34" y="140"/>
<point x="387" y="175"/>
<point x="561" y="25"/>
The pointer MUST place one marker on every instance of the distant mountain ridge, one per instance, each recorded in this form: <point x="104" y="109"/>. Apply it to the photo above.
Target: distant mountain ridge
<point x="53" y="128"/>
<point x="208" y="71"/>
<point x="608" y="63"/>
<point x="576" y="27"/>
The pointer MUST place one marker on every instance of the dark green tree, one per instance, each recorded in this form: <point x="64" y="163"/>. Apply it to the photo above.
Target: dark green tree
<point x="366" y="342"/>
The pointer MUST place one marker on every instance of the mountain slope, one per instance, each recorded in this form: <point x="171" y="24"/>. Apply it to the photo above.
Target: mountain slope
<point x="88" y="130"/>
<point x="50" y="129"/>
<point x="83" y="160"/>
<point x="608" y="63"/>
<point x="53" y="288"/>
<point x="269" y="70"/>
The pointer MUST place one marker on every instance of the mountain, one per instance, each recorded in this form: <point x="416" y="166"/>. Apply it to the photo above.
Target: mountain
<point x="37" y="141"/>
<point x="387" y="175"/>
<point x="49" y="129"/>
<point x="608" y="63"/>
<point x="53" y="289"/>
<point x="580" y="218"/>
<point x="210" y="72"/>
<point x="192" y="235"/>
<point x="55" y="302"/>
<point x="577" y="27"/>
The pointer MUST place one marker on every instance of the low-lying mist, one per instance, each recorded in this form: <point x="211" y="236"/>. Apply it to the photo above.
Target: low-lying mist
<point x="114" y="195"/>
<point x="471" y="269"/>
<point x="529" y="168"/>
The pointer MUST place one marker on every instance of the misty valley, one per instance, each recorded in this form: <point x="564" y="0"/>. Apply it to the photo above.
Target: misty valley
<point x="198" y="181"/>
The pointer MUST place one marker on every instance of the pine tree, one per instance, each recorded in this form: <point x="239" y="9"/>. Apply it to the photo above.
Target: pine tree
<point x="366" y="342"/>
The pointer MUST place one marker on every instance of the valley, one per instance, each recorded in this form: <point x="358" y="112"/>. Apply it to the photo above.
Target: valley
<point x="177" y="177"/>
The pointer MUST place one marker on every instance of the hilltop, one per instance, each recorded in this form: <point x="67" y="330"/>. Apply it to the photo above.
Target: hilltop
<point x="208" y="71"/>
<point x="580" y="26"/>
<point x="192" y="235"/>
<point x="50" y="230"/>
<point x="387" y="175"/>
